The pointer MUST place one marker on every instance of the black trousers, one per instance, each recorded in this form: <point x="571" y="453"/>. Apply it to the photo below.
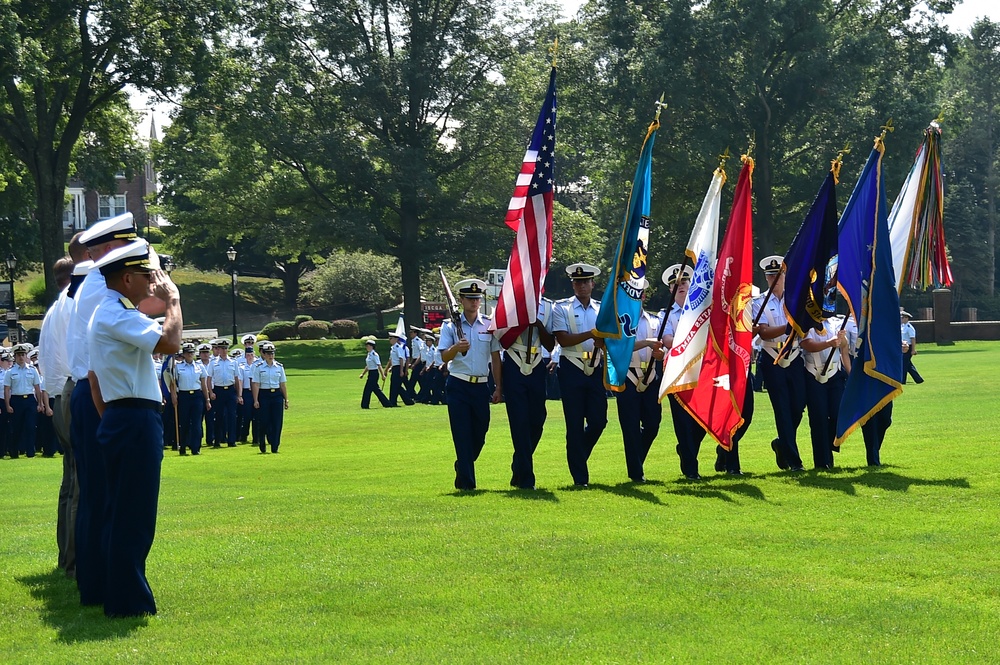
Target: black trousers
<point x="786" y="388"/>
<point x="585" y="410"/>
<point x="639" y="415"/>
<point x="524" y="396"/>
<point x="469" y="417"/>
<point x="372" y="388"/>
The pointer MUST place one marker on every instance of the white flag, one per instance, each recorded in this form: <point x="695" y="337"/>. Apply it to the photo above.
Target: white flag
<point x="903" y="214"/>
<point x="683" y="361"/>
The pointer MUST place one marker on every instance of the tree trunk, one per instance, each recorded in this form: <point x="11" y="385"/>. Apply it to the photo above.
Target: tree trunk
<point x="49" y="196"/>
<point x="763" y="222"/>
<point x="379" y="320"/>
<point x="290" y="285"/>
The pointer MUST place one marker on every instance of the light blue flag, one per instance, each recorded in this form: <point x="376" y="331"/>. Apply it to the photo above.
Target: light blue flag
<point x="622" y="304"/>
<point x="865" y="278"/>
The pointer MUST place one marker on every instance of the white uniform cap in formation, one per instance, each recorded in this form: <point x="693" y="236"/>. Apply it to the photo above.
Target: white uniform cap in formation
<point x="33" y="353"/>
<point x="249" y="339"/>
<point x="771" y="264"/>
<point x="582" y="271"/>
<point x="5" y="354"/>
<point x="236" y="353"/>
<point x="266" y="346"/>
<point x="83" y="267"/>
<point x="392" y="334"/>
<point x="121" y="227"/>
<point x="471" y="288"/>
<point x="669" y="275"/>
<point x="133" y="255"/>
<point x="204" y="347"/>
<point x="22" y="348"/>
<point x="903" y="312"/>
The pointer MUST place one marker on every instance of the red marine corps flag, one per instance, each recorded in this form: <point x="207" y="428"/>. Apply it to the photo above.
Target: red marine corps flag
<point x="716" y="402"/>
<point x="530" y="215"/>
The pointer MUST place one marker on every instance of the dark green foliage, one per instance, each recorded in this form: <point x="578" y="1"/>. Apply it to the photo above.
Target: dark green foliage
<point x="280" y="330"/>
<point x="344" y="329"/>
<point x="310" y="329"/>
<point x="302" y="318"/>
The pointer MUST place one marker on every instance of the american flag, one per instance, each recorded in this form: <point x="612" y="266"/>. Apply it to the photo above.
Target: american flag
<point x="530" y="216"/>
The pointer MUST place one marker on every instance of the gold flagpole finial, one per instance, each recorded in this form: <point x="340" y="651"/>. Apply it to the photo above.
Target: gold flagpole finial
<point x="838" y="162"/>
<point x="660" y="105"/>
<point x="723" y="158"/>
<point x="554" y="51"/>
<point x="751" y="143"/>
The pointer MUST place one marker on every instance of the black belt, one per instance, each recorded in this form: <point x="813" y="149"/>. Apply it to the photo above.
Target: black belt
<point x="26" y="396"/>
<point x="190" y="392"/>
<point x="223" y="387"/>
<point x="134" y="403"/>
<point x="270" y="390"/>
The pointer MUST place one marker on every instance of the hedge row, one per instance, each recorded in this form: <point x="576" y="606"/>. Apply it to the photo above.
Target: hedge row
<point x="305" y="327"/>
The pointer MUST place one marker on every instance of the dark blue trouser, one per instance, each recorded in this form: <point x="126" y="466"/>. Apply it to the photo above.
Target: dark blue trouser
<point x="45" y="434"/>
<point x="372" y="388"/>
<point x="434" y="386"/>
<point x="874" y="433"/>
<point x="908" y="368"/>
<point x="823" y="403"/>
<point x="412" y="382"/>
<point x="190" y="404"/>
<point x="22" y="424"/>
<point x="225" y="416"/>
<point x="248" y="418"/>
<point x="639" y="414"/>
<point x="585" y="410"/>
<point x="397" y="388"/>
<point x="786" y="388"/>
<point x="689" y="437"/>
<point x="469" y="416"/>
<point x="91" y="513"/>
<point x="209" y="431"/>
<point x="132" y="441"/>
<point x="270" y="416"/>
<point x="525" y="400"/>
<point x="731" y="458"/>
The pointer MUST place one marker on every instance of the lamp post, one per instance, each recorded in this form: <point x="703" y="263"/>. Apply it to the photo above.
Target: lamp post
<point x="231" y="255"/>
<point x="13" y="334"/>
<point x="168" y="265"/>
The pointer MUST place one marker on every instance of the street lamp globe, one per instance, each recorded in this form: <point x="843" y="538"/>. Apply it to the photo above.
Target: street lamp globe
<point x="231" y="253"/>
<point x="11" y="264"/>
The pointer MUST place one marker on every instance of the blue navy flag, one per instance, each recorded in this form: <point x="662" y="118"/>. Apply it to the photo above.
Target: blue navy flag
<point x="808" y="284"/>
<point x="865" y="278"/>
<point x="621" y="308"/>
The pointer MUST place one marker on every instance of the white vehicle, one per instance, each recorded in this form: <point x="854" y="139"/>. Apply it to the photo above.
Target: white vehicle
<point x="494" y="280"/>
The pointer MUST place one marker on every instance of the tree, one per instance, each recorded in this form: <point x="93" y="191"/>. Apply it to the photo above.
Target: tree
<point x="362" y="279"/>
<point x="63" y="62"/>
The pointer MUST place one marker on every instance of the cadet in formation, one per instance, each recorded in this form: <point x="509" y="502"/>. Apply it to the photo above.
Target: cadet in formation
<point x="22" y="395"/>
<point x="190" y="395"/>
<point x="207" y="353"/>
<point x="270" y="397"/>
<point x="373" y="370"/>
<point x="785" y="378"/>
<point x="827" y="363"/>
<point x="584" y="400"/>
<point x="224" y="379"/>
<point x="397" y="365"/>
<point x="248" y="422"/>
<point x="473" y="352"/>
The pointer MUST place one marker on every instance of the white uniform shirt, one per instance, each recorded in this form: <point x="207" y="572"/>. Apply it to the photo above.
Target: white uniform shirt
<point x="774" y="315"/>
<point x="908" y="332"/>
<point x="268" y="376"/>
<point x="482" y="343"/>
<point x="816" y="360"/>
<point x="122" y="339"/>
<point x="21" y="380"/>
<point x="569" y="315"/>
<point x="397" y="354"/>
<point x="223" y="372"/>
<point x="52" y="355"/>
<point x="372" y="361"/>
<point x="649" y="325"/>
<point x="189" y="375"/>
<point x="90" y="294"/>
<point x="673" y="318"/>
<point x="417" y="350"/>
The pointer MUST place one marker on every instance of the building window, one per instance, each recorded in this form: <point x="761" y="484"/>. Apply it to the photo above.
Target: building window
<point x="111" y="206"/>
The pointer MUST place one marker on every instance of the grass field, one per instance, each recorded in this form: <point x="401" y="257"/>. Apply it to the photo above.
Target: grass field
<point x="351" y="546"/>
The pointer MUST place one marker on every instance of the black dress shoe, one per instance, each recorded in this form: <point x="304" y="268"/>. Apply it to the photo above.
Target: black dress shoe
<point x="779" y="459"/>
<point x="797" y="468"/>
<point x="735" y="473"/>
<point x="693" y="476"/>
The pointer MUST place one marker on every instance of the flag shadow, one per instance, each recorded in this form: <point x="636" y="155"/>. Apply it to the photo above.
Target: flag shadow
<point x="848" y="479"/>
<point x="61" y="609"/>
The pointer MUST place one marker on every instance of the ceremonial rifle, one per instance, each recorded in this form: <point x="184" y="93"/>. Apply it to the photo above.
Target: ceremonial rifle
<point x="456" y="312"/>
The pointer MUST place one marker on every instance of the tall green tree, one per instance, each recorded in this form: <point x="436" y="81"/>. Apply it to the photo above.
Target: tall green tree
<point x="64" y="61"/>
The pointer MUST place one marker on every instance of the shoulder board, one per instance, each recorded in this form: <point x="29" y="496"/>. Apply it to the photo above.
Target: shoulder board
<point x="126" y="303"/>
<point x="277" y="364"/>
<point x="564" y="300"/>
<point x="487" y="317"/>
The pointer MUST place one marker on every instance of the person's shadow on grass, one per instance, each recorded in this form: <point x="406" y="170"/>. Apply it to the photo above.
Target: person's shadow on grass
<point x="538" y="494"/>
<point x="848" y="479"/>
<point x="61" y="609"/>
<point x="630" y="490"/>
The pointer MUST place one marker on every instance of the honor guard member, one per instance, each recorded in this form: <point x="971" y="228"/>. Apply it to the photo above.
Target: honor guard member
<point x="878" y="424"/>
<point x="473" y="354"/>
<point x="639" y="412"/>
<point x="223" y="375"/>
<point x="416" y="364"/>
<point x="373" y="370"/>
<point x="190" y="395"/>
<point x="909" y="335"/>
<point x="581" y="384"/>
<point x="825" y="382"/>
<point x="131" y="432"/>
<point x="101" y="238"/>
<point x="688" y="432"/>
<point x="524" y="373"/>
<point x="248" y="423"/>
<point x="397" y="365"/>
<point x="270" y="397"/>
<point x="206" y="359"/>
<point x="786" y="378"/>
<point x="22" y="395"/>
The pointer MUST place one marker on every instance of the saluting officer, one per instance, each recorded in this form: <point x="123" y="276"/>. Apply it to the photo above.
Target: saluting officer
<point x="786" y="378"/>
<point x="825" y="385"/>
<point x="524" y="373"/>
<point x="584" y="400"/>
<point x="687" y="430"/>
<point x="190" y="395"/>
<point x="22" y="395"/>
<point x="472" y="358"/>
<point x="131" y="432"/>
<point x="270" y="397"/>
<point x="639" y="412"/>
<point x="224" y="376"/>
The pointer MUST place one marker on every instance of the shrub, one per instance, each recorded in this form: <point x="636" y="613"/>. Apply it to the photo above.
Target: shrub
<point x="154" y="235"/>
<point x="313" y="329"/>
<point x="279" y="330"/>
<point x="36" y="291"/>
<point x="302" y="318"/>
<point x="344" y="329"/>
